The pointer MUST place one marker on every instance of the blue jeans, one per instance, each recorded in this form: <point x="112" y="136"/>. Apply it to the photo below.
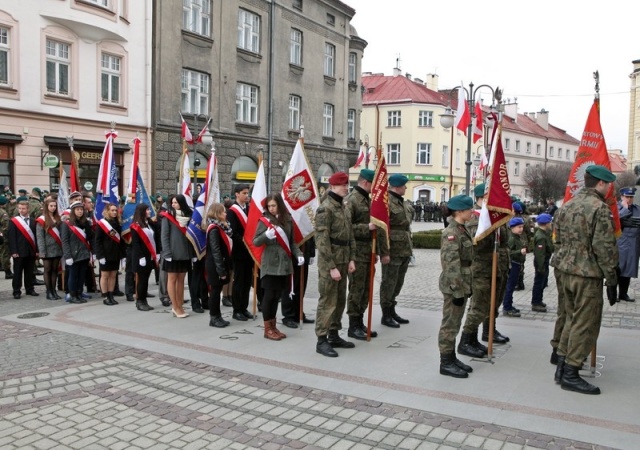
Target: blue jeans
<point x="539" y="282"/>
<point x="512" y="281"/>
<point x="77" y="275"/>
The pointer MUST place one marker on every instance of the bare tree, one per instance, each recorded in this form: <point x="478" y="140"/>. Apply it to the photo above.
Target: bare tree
<point x="624" y="179"/>
<point x="547" y="182"/>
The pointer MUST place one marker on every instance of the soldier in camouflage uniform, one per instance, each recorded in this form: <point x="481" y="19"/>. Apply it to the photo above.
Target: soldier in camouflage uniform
<point x="542" y="251"/>
<point x="395" y="254"/>
<point x="35" y="203"/>
<point x="358" y="204"/>
<point x="456" y="254"/>
<point x="526" y="237"/>
<point x="336" y="249"/>
<point x="4" y="246"/>
<point x="12" y="206"/>
<point x="585" y="253"/>
<point x="481" y="269"/>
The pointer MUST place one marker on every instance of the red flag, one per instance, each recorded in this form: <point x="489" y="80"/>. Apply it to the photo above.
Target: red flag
<point x="185" y="132"/>
<point x="256" y="208"/>
<point x="592" y="150"/>
<point x="463" y="116"/>
<point x="478" y="125"/>
<point x="379" y="212"/>
<point x="198" y="139"/>
<point x="484" y="162"/>
<point x="496" y="208"/>
<point x="73" y="172"/>
<point x="361" y="156"/>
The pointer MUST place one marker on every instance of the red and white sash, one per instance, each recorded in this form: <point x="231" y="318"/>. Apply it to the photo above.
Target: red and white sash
<point x="54" y="232"/>
<point x="173" y="220"/>
<point x="240" y="213"/>
<point x="281" y="236"/>
<point x="146" y="235"/>
<point x="26" y="231"/>
<point x="81" y="235"/>
<point x="224" y="236"/>
<point x="109" y="230"/>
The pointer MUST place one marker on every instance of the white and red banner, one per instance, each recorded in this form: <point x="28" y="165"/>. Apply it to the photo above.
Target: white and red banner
<point x="362" y="157"/>
<point x="185" y="132"/>
<point x="478" y="124"/>
<point x="184" y="181"/>
<point x="107" y="185"/>
<point x="256" y="208"/>
<point x="463" y="115"/>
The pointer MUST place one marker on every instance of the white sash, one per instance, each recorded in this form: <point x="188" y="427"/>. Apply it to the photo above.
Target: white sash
<point x="26" y="231"/>
<point x="109" y="230"/>
<point x="54" y="232"/>
<point x="240" y="213"/>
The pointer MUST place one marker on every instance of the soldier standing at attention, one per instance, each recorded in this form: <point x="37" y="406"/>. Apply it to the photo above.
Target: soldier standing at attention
<point x="4" y="246"/>
<point x="35" y="203"/>
<point x="585" y="253"/>
<point x="542" y="251"/>
<point x="395" y="254"/>
<point x="359" y="205"/>
<point x="456" y="253"/>
<point x="336" y="249"/>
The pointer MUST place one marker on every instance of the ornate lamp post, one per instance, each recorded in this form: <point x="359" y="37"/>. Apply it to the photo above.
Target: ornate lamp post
<point x="446" y="120"/>
<point x="207" y="139"/>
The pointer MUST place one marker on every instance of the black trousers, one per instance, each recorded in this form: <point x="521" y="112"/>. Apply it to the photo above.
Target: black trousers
<point x="23" y="268"/>
<point x="142" y="281"/>
<point x="242" y="280"/>
<point x="291" y="305"/>
<point x="129" y="276"/>
<point x="198" y="285"/>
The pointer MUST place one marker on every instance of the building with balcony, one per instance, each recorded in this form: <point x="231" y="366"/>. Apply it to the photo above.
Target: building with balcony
<point x="633" y="150"/>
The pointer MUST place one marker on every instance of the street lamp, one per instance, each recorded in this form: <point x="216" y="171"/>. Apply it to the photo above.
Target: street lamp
<point x="207" y="139"/>
<point x="446" y="120"/>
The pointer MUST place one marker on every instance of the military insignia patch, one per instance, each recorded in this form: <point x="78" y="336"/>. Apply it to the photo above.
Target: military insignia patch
<point x="299" y="190"/>
<point x="451" y="238"/>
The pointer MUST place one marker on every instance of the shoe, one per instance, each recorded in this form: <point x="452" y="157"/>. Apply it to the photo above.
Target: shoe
<point x="49" y="296"/>
<point x="498" y="338"/>
<point x="175" y="314"/>
<point x="119" y="293"/>
<point x="8" y="275"/>
<point x="150" y="295"/>
<point x="336" y="341"/>
<point x="131" y="299"/>
<point x="289" y="323"/>
<point x="218" y="322"/>
<point x="626" y="298"/>
<point x="387" y="319"/>
<point x="33" y="293"/>
<point x="324" y="348"/>
<point x="55" y="295"/>
<point x="111" y="297"/>
<point x="17" y="295"/>
<point x="86" y="296"/>
<point x="510" y="313"/>
<point x="165" y="302"/>
<point x="75" y="299"/>
<point x="67" y="297"/>
<point x="39" y="272"/>
<point x="460" y="364"/>
<point x="226" y="301"/>
<point x="107" y="302"/>
<point x="37" y="282"/>
<point x="397" y="318"/>
<point x="466" y="347"/>
<point x="239" y="316"/>
<point x="571" y="381"/>
<point x="554" y="357"/>
<point x="538" y="308"/>
<point x="515" y="309"/>
<point x="270" y="331"/>
<point x="355" y="331"/>
<point x="449" y="367"/>
<point x="307" y="320"/>
<point x="197" y="309"/>
<point x="274" y="325"/>
<point x="247" y="314"/>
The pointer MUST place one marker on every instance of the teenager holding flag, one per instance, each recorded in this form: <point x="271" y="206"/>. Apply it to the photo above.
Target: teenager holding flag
<point x="218" y="259"/>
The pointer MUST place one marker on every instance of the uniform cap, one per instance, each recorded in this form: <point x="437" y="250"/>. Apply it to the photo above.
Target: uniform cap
<point x="338" y="179"/>
<point x="601" y="173"/>
<point x="3" y="200"/>
<point x="628" y="191"/>
<point x="367" y="174"/>
<point x="37" y="189"/>
<point x="516" y="221"/>
<point x="22" y="191"/>
<point x="478" y="191"/>
<point x="544" y="218"/>
<point x="22" y="198"/>
<point x="517" y="207"/>
<point x="397" y="180"/>
<point x="460" y="203"/>
<point x="76" y="205"/>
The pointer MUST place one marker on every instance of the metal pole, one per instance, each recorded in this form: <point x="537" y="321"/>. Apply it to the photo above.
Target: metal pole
<point x="469" y="133"/>
<point x="195" y="173"/>
<point x="451" y="164"/>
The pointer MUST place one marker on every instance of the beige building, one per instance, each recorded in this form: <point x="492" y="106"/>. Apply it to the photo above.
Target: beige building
<point x="633" y="154"/>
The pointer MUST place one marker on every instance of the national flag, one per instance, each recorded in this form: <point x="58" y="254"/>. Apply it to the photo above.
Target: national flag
<point x="136" y="192"/>
<point x="463" y="115"/>
<point x="196" y="234"/>
<point x="256" y="208"/>
<point x="300" y="194"/>
<point x="205" y="129"/>
<point x="379" y="211"/>
<point x="63" y="190"/>
<point x="478" y="124"/>
<point x="484" y="162"/>
<point x="74" y="172"/>
<point x="107" y="185"/>
<point x="184" y="181"/>
<point x="185" y="133"/>
<point x="592" y="150"/>
<point x="497" y="206"/>
<point x="361" y="156"/>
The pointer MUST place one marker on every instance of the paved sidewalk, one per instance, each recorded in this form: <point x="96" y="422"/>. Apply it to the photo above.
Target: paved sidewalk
<point x="91" y="376"/>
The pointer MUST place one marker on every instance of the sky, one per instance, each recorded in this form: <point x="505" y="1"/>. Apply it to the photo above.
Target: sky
<point x="541" y="53"/>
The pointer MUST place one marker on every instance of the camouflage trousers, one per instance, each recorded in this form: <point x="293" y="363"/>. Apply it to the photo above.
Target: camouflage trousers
<point x="480" y="305"/>
<point x="5" y="260"/>
<point x="358" y="299"/>
<point x="583" y="305"/>
<point x="392" y="281"/>
<point x="562" y="313"/>
<point x="450" y="326"/>
<point x="333" y="298"/>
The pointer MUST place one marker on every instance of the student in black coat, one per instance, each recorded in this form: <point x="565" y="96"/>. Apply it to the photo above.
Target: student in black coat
<point x="23" y="250"/>
<point x="218" y="260"/>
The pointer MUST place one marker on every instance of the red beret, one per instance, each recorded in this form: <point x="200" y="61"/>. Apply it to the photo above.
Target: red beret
<point x="339" y="178"/>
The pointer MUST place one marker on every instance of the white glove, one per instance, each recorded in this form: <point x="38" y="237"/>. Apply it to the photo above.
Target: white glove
<point x="142" y="262"/>
<point x="194" y="259"/>
<point x="157" y="258"/>
<point x="102" y="261"/>
<point x="300" y="260"/>
<point x="69" y="262"/>
<point x="94" y="257"/>
<point x="311" y="260"/>
<point x="270" y="233"/>
<point x="168" y="259"/>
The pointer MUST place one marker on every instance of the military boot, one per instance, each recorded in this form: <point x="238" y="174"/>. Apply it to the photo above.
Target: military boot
<point x="460" y="364"/>
<point x="364" y="327"/>
<point x="559" y="369"/>
<point x="474" y="341"/>
<point x="337" y="342"/>
<point x="449" y="368"/>
<point x="396" y="317"/>
<point x="554" y="357"/>
<point x="355" y="330"/>
<point x="387" y="319"/>
<point x="466" y="347"/>
<point x="498" y="338"/>
<point x="324" y="348"/>
<point x="571" y="381"/>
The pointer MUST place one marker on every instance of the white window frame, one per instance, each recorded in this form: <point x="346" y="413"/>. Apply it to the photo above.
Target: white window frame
<point x="559" y="152"/>
<point x="445" y="156"/>
<point x="248" y="31"/>
<point x="394" y="118"/>
<point x="113" y="75"/>
<point x="327" y="120"/>
<point x="295" y="102"/>
<point x="551" y="152"/>
<point x="425" y="118"/>
<point x="195" y="92"/>
<point x="247" y="103"/>
<point x="329" y="60"/>
<point x="517" y="145"/>
<point x="507" y="142"/>
<point x="196" y="16"/>
<point x="423" y="154"/>
<point x="59" y="54"/>
<point x="353" y="67"/>
<point x="458" y="159"/>
<point x="393" y="155"/>
<point x="528" y="148"/>
<point x="516" y="169"/>
<point x="5" y="48"/>
<point x="538" y="149"/>
<point x="101" y="3"/>
<point x="295" y="47"/>
<point x="568" y="154"/>
<point x="351" y="124"/>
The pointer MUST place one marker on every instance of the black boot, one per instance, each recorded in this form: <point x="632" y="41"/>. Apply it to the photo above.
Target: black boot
<point x="142" y="305"/>
<point x="131" y="299"/>
<point x="397" y="318"/>
<point x="355" y="331"/>
<point x="49" y="296"/>
<point x="466" y="347"/>
<point x="571" y="381"/>
<point x="559" y="369"/>
<point x="554" y="357"/>
<point x="460" y="364"/>
<point x="324" y="348"/>
<point x="449" y="367"/>
<point x="111" y="295"/>
<point x="336" y="341"/>
<point x="387" y="319"/>
<point x="75" y="298"/>
<point x="107" y="300"/>
<point x="54" y="293"/>
<point x="498" y="338"/>
<point x="363" y="327"/>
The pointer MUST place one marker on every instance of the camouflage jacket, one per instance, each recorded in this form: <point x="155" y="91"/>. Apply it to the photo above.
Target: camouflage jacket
<point x="516" y="244"/>
<point x="334" y="238"/>
<point x="359" y="204"/>
<point x="542" y="249"/>
<point x="400" y="217"/>
<point x="35" y="208"/>
<point x="456" y="254"/>
<point x="4" y="221"/>
<point x="483" y="251"/>
<point x="585" y="239"/>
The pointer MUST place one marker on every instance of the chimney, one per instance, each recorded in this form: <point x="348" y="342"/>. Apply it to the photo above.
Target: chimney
<point x="432" y="81"/>
<point x="543" y="119"/>
<point x="408" y="75"/>
<point x="511" y="110"/>
<point x="396" y="71"/>
<point x="418" y="80"/>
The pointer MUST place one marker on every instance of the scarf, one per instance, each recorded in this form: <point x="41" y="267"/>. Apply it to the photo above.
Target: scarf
<point x="224" y="226"/>
<point x="182" y="219"/>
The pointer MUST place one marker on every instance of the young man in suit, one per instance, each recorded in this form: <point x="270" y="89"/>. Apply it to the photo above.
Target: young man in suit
<point x="23" y="249"/>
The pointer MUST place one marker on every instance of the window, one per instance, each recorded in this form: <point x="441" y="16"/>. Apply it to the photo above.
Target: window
<point x="568" y="154"/>
<point x="353" y="68"/>
<point x="294" y="112"/>
<point x="327" y="120"/>
<point x="517" y="145"/>
<point x="103" y="3"/>
<point x="329" y="58"/>
<point x="297" y="4"/>
<point x="575" y="154"/>
<point x="58" y="67"/>
<point x="196" y="16"/>
<point x="351" y="124"/>
<point x="5" y="56"/>
<point x="559" y="152"/>
<point x="526" y="167"/>
<point x="331" y="19"/>
<point x="507" y="142"/>
<point x="516" y="168"/>
<point x="394" y="118"/>
<point x="528" y="147"/>
<point x="247" y="103"/>
<point x="393" y="154"/>
<point x="458" y="159"/>
<point x="295" y="47"/>
<point x="445" y="156"/>
<point x="248" y="31"/>
<point x="538" y="149"/>
<point x="110" y="79"/>
<point x="423" y="155"/>
<point x="551" y="152"/>
<point x="425" y="119"/>
<point x="195" y="92"/>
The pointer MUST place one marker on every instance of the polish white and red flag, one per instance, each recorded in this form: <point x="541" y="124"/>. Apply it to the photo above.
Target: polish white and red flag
<point x="184" y="182"/>
<point x="478" y="124"/>
<point x="463" y="115"/>
<point x="361" y="156"/>
<point x="484" y="162"/>
<point x="256" y="209"/>
<point x="185" y="132"/>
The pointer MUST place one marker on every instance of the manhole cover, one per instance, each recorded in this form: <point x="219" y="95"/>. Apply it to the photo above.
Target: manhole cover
<point x="33" y="315"/>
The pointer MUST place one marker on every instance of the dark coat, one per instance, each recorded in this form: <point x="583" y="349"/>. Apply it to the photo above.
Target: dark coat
<point x="18" y="244"/>
<point x="140" y="250"/>
<point x="218" y="260"/>
<point x="107" y="248"/>
<point x="240" y="252"/>
<point x="72" y="246"/>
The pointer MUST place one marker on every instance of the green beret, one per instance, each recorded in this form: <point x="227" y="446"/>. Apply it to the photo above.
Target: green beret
<point x="158" y="194"/>
<point x="3" y="200"/>
<point x="397" y="180"/>
<point x="601" y="173"/>
<point x="22" y="198"/>
<point x="37" y="189"/>
<point x="460" y="203"/>
<point x="478" y="191"/>
<point x="22" y="191"/>
<point x="367" y="174"/>
<point x="123" y="198"/>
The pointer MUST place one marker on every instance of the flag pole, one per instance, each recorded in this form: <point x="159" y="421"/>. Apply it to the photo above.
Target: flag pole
<point x="255" y="292"/>
<point x="372" y="260"/>
<point x="494" y="279"/>
<point x="301" y="288"/>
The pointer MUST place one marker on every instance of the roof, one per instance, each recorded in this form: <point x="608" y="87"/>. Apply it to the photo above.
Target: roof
<point x="381" y="89"/>
<point x="526" y="125"/>
<point x="618" y="162"/>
